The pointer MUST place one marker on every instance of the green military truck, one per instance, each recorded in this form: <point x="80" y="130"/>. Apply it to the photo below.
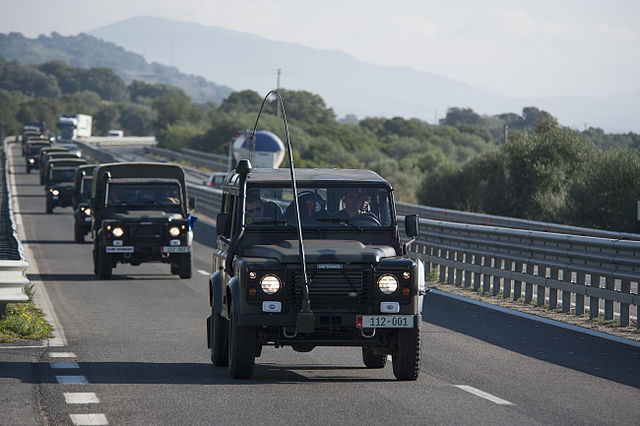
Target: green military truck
<point x="49" y="155"/>
<point x="140" y="213"/>
<point x="356" y="288"/>
<point x="32" y="154"/>
<point x="81" y="202"/>
<point x="58" y="181"/>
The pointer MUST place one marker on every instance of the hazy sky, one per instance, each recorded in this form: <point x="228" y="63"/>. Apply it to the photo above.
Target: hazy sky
<point x="515" y="48"/>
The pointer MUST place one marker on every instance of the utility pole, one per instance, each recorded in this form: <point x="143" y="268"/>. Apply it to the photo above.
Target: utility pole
<point x="506" y="133"/>
<point x="278" y="89"/>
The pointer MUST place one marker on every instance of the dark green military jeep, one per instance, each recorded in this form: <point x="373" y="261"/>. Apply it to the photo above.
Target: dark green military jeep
<point x="140" y="213"/>
<point x="58" y="181"/>
<point x="81" y="201"/>
<point x="361" y="290"/>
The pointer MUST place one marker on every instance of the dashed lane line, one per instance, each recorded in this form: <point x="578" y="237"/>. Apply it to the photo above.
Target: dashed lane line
<point x="61" y="355"/>
<point x="89" y="419"/>
<point x="81" y="398"/>
<point x="203" y="272"/>
<point x="72" y="380"/>
<point x="485" y="395"/>
<point x="71" y="364"/>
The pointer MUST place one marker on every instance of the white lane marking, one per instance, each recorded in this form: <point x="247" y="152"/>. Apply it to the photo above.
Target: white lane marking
<point x="485" y="395"/>
<point x="81" y="398"/>
<point x="70" y="364"/>
<point x="203" y="272"/>
<point x="62" y="355"/>
<point x="72" y="380"/>
<point x="89" y="419"/>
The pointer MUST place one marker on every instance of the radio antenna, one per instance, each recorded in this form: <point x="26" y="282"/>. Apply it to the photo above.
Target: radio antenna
<point x="305" y="319"/>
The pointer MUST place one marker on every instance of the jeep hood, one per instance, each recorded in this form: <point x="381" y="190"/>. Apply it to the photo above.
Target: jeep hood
<point x="137" y="215"/>
<point x="321" y="251"/>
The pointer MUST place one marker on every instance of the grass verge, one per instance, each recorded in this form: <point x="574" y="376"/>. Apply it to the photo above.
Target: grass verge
<point x="24" y="321"/>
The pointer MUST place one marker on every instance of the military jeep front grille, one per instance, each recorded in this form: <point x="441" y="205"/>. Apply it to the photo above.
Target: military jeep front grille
<point x="141" y="233"/>
<point x="335" y="290"/>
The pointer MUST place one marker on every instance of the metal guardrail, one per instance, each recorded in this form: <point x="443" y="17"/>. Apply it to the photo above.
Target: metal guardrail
<point x="201" y="159"/>
<point x="12" y="261"/>
<point x="561" y="269"/>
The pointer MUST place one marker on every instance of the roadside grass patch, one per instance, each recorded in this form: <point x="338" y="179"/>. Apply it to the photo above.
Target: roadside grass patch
<point x="24" y="321"/>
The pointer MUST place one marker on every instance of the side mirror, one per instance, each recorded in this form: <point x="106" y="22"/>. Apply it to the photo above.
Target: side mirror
<point x="412" y="225"/>
<point x="192" y="203"/>
<point x="223" y="224"/>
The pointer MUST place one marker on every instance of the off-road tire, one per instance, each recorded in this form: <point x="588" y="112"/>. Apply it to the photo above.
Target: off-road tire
<point x="242" y="348"/>
<point x="104" y="266"/>
<point x="406" y="357"/>
<point x="219" y="340"/>
<point x="373" y="360"/>
<point x="78" y="235"/>
<point x="184" y="270"/>
<point x="49" y="208"/>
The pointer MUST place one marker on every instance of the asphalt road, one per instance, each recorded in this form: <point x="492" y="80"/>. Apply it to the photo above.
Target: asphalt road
<point x="136" y="345"/>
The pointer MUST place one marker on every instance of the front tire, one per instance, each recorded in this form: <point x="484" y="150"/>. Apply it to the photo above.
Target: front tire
<point x="242" y="348"/>
<point x="406" y="357"/>
<point x="104" y="266"/>
<point x="49" y="208"/>
<point x="78" y="235"/>
<point x="373" y="360"/>
<point x="184" y="270"/>
<point x="219" y="340"/>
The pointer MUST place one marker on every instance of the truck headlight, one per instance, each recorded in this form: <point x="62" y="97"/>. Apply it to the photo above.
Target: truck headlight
<point x="55" y="192"/>
<point x="270" y="284"/>
<point x="118" y="232"/>
<point x="174" y="231"/>
<point x="387" y="283"/>
<point x="32" y="160"/>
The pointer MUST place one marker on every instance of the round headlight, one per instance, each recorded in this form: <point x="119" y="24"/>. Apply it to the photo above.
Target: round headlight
<point x="32" y="160"/>
<point x="87" y="211"/>
<point x="55" y="192"/>
<point x="270" y="284"/>
<point x="174" y="231"/>
<point x="118" y="232"/>
<point x="387" y="284"/>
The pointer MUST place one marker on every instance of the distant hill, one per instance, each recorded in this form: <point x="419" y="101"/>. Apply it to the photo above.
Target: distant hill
<point x="87" y="51"/>
<point x="349" y="86"/>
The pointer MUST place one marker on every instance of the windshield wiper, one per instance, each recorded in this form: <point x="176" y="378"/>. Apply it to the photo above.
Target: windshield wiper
<point x="338" y="220"/>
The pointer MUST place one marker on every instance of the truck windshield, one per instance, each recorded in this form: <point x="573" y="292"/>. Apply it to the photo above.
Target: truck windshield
<point x="85" y="187"/>
<point x="62" y="175"/>
<point x="143" y="195"/>
<point x="357" y="207"/>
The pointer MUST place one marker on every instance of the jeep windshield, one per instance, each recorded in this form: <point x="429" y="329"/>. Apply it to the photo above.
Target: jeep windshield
<point x="321" y="206"/>
<point x="144" y="195"/>
<point x="62" y="175"/>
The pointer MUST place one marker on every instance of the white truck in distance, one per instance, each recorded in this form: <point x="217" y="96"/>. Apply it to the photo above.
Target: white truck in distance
<point x="73" y="126"/>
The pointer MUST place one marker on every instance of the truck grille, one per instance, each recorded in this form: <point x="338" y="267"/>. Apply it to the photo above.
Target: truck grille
<point x="335" y="290"/>
<point x="143" y="233"/>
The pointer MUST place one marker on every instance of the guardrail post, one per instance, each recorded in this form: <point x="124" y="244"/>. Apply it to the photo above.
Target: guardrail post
<point x="517" y="284"/>
<point x="486" y="277"/>
<point x="507" y="282"/>
<point x="459" y="258"/>
<point x="594" y="302"/>
<point x="625" y="287"/>
<point x="468" y="259"/>
<point x="476" y="275"/>
<point x="442" y="274"/>
<point x="541" y="293"/>
<point x="450" y="256"/>
<point x="581" y="278"/>
<point x="528" y="287"/>
<point x="497" y="280"/>
<point x="554" y="274"/>
<point x="566" y="295"/>
<point x="609" y="284"/>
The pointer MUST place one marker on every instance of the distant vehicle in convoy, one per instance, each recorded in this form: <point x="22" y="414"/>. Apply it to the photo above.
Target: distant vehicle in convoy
<point x="53" y="155"/>
<point x="58" y="185"/>
<point x="140" y="213"/>
<point x="362" y="289"/>
<point x="73" y="126"/>
<point x="215" y="180"/>
<point x="32" y="153"/>
<point x="82" y="201"/>
<point x="115" y="133"/>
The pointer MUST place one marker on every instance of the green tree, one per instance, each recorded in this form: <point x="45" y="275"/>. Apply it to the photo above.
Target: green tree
<point x="245" y="101"/>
